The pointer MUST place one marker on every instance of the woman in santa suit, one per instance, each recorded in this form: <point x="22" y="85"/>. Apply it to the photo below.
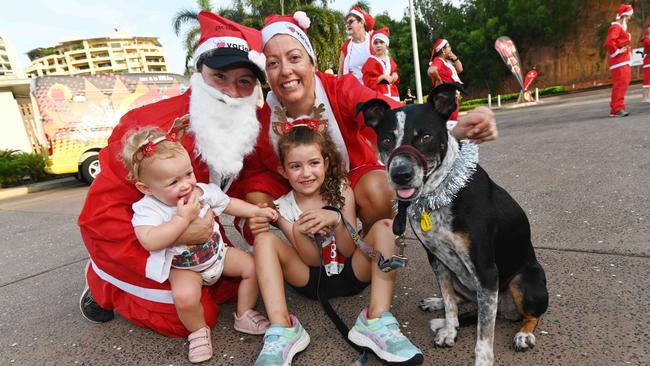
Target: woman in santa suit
<point x="380" y="71"/>
<point x="619" y="60"/>
<point x="645" y="43"/>
<point x="356" y="50"/>
<point x="223" y="90"/>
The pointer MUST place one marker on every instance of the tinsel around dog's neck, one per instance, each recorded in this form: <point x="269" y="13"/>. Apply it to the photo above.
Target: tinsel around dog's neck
<point x="462" y="169"/>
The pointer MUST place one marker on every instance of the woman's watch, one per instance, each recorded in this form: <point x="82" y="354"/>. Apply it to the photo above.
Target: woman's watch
<point x="454" y="60"/>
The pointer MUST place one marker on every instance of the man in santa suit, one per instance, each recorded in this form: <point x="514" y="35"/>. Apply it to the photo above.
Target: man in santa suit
<point x="223" y="128"/>
<point x="619" y="60"/>
<point x="444" y="67"/>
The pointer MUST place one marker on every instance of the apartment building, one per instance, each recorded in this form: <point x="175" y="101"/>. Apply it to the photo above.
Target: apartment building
<point x="9" y="65"/>
<point x="115" y="54"/>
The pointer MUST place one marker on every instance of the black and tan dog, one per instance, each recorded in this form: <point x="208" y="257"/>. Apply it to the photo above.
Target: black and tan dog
<point x="476" y="235"/>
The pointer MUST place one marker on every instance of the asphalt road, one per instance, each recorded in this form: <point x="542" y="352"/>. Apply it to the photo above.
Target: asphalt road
<point x="582" y="178"/>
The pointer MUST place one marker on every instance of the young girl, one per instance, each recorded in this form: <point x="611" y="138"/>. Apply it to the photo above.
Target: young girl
<point x="161" y="169"/>
<point x="645" y="43"/>
<point x="380" y="70"/>
<point x="322" y="248"/>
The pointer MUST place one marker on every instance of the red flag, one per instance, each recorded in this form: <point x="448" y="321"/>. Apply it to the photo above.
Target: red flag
<point x="530" y="76"/>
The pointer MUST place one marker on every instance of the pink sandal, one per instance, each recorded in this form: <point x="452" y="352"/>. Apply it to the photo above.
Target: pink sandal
<point x="251" y="322"/>
<point x="200" y="345"/>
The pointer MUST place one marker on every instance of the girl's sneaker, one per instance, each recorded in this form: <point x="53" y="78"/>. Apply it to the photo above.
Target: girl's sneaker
<point x="251" y="322"/>
<point x="384" y="338"/>
<point x="281" y="344"/>
<point x="200" y="345"/>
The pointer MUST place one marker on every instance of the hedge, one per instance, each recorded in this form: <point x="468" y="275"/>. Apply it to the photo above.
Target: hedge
<point x="17" y="167"/>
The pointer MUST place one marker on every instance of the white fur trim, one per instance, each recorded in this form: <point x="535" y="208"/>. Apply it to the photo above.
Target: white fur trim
<point x="219" y="42"/>
<point x="620" y="64"/>
<point x="258" y="59"/>
<point x="302" y="19"/>
<point x="627" y="13"/>
<point x="441" y="45"/>
<point x="290" y="29"/>
<point x="151" y="294"/>
<point x="225" y="129"/>
<point x="381" y="36"/>
<point x="359" y="14"/>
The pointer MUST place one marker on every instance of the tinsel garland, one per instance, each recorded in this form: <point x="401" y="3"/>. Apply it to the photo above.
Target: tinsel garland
<point x="458" y="176"/>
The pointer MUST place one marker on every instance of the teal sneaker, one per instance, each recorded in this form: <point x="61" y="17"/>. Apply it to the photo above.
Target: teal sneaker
<point x="383" y="337"/>
<point x="281" y="344"/>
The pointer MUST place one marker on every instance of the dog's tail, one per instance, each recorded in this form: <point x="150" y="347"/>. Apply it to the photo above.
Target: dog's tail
<point x="468" y="318"/>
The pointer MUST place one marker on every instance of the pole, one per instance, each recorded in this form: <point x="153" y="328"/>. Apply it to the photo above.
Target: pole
<point x="281" y="7"/>
<point x="416" y="57"/>
<point x="490" y="101"/>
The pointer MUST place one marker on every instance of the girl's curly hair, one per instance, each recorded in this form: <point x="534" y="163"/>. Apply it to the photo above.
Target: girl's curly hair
<point x="336" y="177"/>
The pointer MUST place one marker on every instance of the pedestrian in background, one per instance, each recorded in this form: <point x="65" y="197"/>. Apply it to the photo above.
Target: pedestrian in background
<point x="444" y="67"/>
<point x="619" y="60"/>
<point x="356" y="50"/>
<point x="380" y="70"/>
<point x="645" y="43"/>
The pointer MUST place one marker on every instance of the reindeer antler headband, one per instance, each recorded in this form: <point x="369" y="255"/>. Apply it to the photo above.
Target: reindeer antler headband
<point x="175" y="134"/>
<point x="316" y="123"/>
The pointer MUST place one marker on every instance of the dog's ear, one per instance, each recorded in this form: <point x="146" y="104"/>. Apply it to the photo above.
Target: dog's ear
<point x="443" y="98"/>
<point x="373" y="111"/>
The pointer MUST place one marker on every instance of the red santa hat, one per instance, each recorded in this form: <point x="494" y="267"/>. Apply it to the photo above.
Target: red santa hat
<point x="366" y="18"/>
<point x="293" y="25"/>
<point x="229" y="43"/>
<point x="382" y="34"/>
<point x="440" y="44"/>
<point x="624" y="10"/>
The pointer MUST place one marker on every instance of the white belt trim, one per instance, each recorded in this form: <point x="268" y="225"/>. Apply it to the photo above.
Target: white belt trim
<point x="151" y="294"/>
<point x="620" y="64"/>
<point x="646" y="66"/>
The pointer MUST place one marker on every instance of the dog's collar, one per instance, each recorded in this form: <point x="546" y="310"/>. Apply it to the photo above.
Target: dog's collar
<point x="462" y="169"/>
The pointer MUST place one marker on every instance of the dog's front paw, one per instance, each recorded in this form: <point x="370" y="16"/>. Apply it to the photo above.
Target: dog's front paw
<point x="523" y="341"/>
<point x="445" y="336"/>
<point x="432" y="304"/>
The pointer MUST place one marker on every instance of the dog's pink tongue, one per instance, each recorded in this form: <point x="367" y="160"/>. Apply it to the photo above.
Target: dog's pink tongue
<point x="405" y="193"/>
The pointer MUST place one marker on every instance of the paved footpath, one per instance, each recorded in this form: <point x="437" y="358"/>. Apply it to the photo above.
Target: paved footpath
<point x="581" y="177"/>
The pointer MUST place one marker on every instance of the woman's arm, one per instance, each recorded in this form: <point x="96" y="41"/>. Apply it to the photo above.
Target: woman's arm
<point x="478" y="125"/>
<point x="340" y="71"/>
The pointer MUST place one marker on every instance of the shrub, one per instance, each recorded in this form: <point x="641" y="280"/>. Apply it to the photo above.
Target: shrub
<point x="17" y="166"/>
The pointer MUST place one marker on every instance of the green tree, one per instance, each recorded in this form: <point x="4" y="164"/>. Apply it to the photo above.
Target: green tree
<point x="186" y="24"/>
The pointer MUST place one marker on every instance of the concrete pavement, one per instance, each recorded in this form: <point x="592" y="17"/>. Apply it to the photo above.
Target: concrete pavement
<point x="581" y="177"/>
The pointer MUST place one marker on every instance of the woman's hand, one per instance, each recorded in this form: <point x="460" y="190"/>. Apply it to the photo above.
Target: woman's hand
<point x="317" y="221"/>
<point x="478" y="126"/>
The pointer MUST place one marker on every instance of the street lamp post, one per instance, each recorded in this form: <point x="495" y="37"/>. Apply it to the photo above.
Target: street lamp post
<point x="416" y="56"/>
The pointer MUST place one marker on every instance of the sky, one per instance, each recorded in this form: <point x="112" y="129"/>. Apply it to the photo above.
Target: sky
<point x="29" y="24"/>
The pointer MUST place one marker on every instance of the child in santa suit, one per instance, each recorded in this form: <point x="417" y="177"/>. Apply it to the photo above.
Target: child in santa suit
<point x="645" y="43"/>
<point x="618" y="48"/>
<point x="380" y="71"/>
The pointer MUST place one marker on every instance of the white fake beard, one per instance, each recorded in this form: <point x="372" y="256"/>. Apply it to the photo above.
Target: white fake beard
<point x="225" y="129"/>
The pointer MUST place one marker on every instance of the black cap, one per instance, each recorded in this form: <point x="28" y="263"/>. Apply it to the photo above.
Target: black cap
<point x="222" y="58"/>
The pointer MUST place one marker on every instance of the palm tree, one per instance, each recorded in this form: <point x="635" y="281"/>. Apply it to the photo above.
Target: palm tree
<point x="191" y="36"/>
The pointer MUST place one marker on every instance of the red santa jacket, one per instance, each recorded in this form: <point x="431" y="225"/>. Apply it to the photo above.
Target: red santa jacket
<point x="260" y="168"/>
<point x="105" y="220"/>
<point x="617" y="38"/>
<point x="375" y="67"/>
<point x="446" y="70"/>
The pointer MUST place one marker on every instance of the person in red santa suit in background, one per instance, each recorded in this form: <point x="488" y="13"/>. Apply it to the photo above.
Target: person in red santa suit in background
<point x="223" y="127"/>
<point x="619" y="60"/>
<point x="356" y="50"/>
<point x="444" y="67"/>
<point x="299" y="92"/>
<point x="645" y="43"/>
<point x="380" y="71"/>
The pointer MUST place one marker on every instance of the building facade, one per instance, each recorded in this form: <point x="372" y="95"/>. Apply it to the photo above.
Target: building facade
<point x="116" y="54"/>
<point x="9" y="65"/>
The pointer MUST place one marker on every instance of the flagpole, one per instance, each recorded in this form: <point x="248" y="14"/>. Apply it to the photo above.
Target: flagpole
<point x="416" y="56"/>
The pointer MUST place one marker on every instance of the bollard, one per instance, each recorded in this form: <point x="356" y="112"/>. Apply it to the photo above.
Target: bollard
<point x="490" y="101"/>
<point x="536" y="95"/>
<point x="499" y="100"/>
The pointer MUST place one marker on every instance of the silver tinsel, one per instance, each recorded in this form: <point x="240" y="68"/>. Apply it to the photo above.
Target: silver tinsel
<point x="459" y="175"/>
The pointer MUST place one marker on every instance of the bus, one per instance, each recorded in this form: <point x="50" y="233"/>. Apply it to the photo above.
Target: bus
<point x="78" y="113"/>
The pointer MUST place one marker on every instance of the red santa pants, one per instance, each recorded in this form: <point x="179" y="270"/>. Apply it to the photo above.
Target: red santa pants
<point x="646" y="76"/>
<point x="621" y="77"/>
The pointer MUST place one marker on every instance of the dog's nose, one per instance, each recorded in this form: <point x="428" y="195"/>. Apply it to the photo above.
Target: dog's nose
<point x="402" y="174"/>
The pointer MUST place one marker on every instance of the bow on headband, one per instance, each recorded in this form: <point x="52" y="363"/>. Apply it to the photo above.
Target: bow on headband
<point x="175" y="134"/>
<point x="316" y="124"/>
